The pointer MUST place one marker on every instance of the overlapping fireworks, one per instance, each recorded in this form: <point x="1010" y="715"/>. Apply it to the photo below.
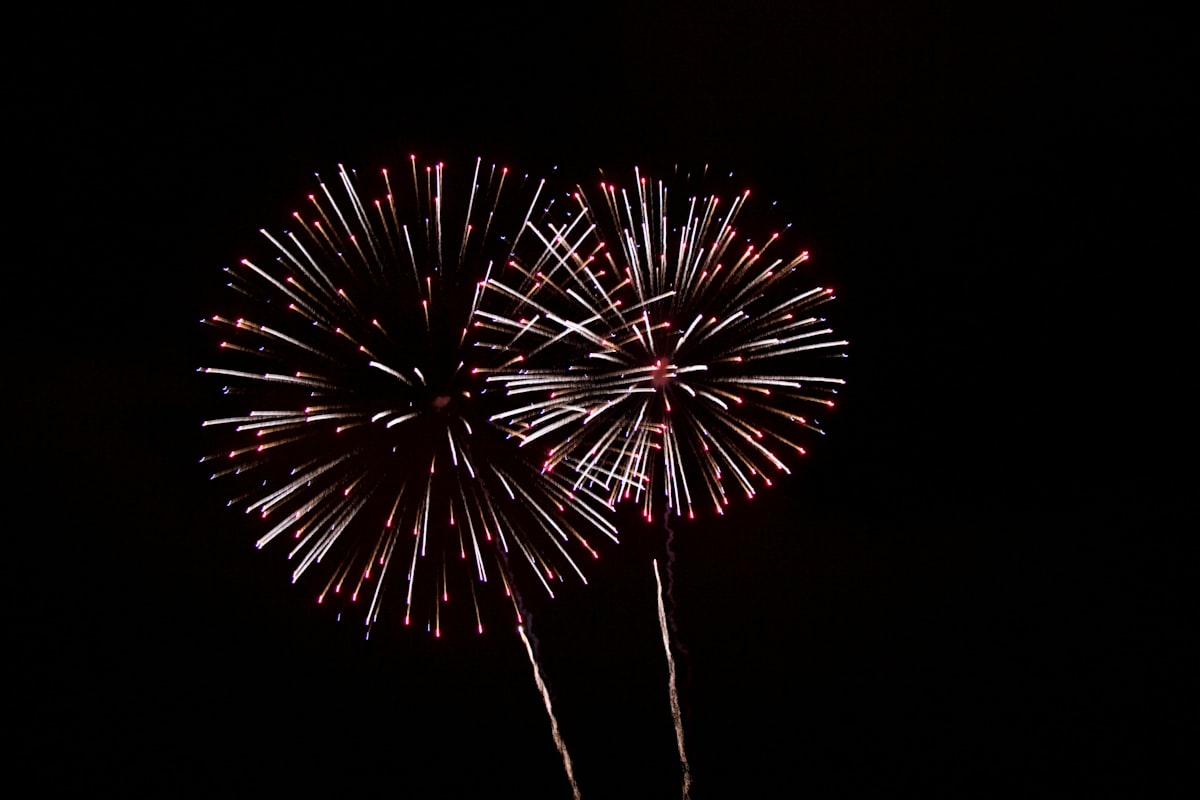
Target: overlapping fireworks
<point x="451" y="381"/>
<point x="458" y="386"/>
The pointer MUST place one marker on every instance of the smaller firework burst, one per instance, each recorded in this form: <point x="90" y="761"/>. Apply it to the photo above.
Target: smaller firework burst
<point x="656" y="352"/>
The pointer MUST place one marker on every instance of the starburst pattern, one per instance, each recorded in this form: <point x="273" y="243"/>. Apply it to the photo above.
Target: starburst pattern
<point x="655" y="351"/>
<point x="359" y="429"/>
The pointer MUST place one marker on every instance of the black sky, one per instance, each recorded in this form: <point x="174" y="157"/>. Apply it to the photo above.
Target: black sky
<point x="974" y="585"/>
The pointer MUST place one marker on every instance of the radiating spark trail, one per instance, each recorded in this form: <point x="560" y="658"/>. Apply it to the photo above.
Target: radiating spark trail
<point x="558" y="740"/>
<point x="676" y="715"/>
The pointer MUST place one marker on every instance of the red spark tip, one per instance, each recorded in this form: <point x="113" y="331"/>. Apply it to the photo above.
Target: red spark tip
<point x="479" y="629"/>
<point x="829" y="403"/>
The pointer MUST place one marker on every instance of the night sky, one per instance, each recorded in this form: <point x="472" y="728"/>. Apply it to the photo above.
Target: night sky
<point x="972" y="586"/>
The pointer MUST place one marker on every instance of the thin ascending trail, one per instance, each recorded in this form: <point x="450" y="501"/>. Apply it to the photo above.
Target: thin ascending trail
<point x="675" y="713"/>
<point x="558" y="741"/>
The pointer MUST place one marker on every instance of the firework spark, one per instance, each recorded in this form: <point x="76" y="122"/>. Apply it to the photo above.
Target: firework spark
<point x="654" y="351"/>
<point x="358" y="428"/>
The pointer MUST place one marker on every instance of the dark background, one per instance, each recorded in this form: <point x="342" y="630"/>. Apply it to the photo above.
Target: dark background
<point x="973" y="586"/>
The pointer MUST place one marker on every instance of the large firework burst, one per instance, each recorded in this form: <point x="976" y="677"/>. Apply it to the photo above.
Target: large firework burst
<point x="358" y="430"/>
<point x="656" y="351"/>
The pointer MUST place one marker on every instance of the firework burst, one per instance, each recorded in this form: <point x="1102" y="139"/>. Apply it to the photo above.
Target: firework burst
<point x="659" y="352"/>
<point x="356" y="415"/>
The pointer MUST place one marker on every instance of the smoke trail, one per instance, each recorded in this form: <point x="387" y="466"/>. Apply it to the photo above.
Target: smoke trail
<point x="670" y="593"/>
<point x="558" y="741"/>
<point x="675" y="714"/>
